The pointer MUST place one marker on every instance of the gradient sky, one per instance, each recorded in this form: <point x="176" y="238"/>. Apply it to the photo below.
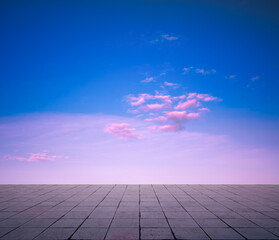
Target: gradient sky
<point x="139" y="92"/>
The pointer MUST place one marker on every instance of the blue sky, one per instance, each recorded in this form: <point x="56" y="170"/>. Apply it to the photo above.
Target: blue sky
<point x="83" y="58"/>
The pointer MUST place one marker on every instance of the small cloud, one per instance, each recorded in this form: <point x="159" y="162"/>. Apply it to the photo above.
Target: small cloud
<point x="136" y="101"/>
<point x="204" y="109"/>
<point x="163" y="73"/>
<point x="255" y="78"/>
<point x="169" y="38"/>
<point x="154" y="106"/>
<point x="191" y="103"/>
<point x="158" y="119"/>
<point x="188" y="68"/>
<point x="170" y="127"/>
<point x="232" y="76"/>
<point x="181" y="116"/>
<point x="121" y="130"/>
<point x="202" y="97"/>
<point x="35" y="157"/>
<point x="148" y="80"/>
<point x="173" y="85"/>
<point x="198" y="70"/>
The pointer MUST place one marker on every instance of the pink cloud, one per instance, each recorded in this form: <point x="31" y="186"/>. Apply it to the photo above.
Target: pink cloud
<point x="148" y="79"/>
<point x="255" y="78"/>
<point x="206" y="97"/>
<point x="193" y="115"/>
<point x="168" y="127"/>
<point x="192" y="103"/>
<point x="204" y="109"/>
<point x="181" y="116"/>
<point x="192" y="95"/>
<point x="165" y="98"/>
<point x="188" y="69"/>
<point x="169" y="38"/>
<point x="136" y="101"/>
<point x="202" y="97"/>
<point x="202" y="71"/>
<point x="179" y="97"/>
<point x="205" y="72"/>
<point x="173" y="85"/>
<point x="158" y="119"/>
<point x="151" y="107"/>
<point x="199" y="70"/>
<point x="35" y="157"/>
<point x="121" y="130"/>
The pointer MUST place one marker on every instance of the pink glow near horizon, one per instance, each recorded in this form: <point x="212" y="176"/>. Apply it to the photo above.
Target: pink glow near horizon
<point x="78" y="151"/>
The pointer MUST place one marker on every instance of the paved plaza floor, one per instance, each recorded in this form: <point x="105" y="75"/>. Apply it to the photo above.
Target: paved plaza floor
<point x="119" y="212"/>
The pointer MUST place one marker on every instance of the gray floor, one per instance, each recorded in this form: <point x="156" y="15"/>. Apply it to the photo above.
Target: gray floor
<point x="120" y="212"/>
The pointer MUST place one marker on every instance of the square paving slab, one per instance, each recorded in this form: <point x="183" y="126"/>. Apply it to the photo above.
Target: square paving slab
<point x="132" y="212"/>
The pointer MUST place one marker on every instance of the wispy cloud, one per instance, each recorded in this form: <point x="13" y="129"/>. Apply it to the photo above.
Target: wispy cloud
<point x="198" y="70"/>
<point x="255" y="78"/>
<point x="148" y="80"/>
<point x="121" y="130"/>
<point x="169" y="38"/>
<point x="35" y="157"/>
<point x="173" y="85"/>
<point x="232" y="76"/>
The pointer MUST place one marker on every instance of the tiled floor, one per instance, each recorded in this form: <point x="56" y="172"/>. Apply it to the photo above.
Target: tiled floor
<point x="119" y="212"/>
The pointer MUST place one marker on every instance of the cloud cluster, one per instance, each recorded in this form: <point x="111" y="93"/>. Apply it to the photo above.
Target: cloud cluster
<point x="168" y="112"/>
<point x="121" y="130"/>
<point x="198" y="70"/>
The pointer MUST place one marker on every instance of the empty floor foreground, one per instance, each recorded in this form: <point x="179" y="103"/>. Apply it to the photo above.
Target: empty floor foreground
<point x="119" y="212"/>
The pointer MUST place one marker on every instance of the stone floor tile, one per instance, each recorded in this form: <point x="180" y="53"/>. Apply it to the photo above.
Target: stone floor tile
<point x="97" y="222"/>
<point x="156" y="233"/>
<point x="182" y="222"/>
<point x="4" y="231"/>
<point x="90" y="233"/>
<point x="125" y="222"/>
<point x="189" y="233"/>
<point x="256" y="233"/>
<point x="153" y="222"/>
<point x="177" y="214"/>
<point x="77" y="214"/>
<point x="210" y="222"/>
<point x="275" y="231"/>
<point x="266" y="223"/>
<point x="13" y="222"/>
<point x="157" y="214"/>
<point x="39" y="222"/>
<point x="56" y="234"/>
<point x="23" y="233"/>
<point x="122" y="233"/>
<point x="202" y="214"/>
<point x="222" y="233"/>
<point x="127" y="214"/>
<point x="68" y="222"/>
<point x="239" y="222"/>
